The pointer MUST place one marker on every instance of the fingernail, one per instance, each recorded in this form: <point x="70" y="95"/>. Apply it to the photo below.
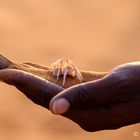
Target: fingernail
<point x="60" y="106"/>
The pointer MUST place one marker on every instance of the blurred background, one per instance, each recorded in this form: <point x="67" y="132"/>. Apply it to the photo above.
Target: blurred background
<point x="95" y="34"/>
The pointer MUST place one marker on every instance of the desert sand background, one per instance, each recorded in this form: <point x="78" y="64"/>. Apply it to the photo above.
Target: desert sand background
<point x="96" y="34"/>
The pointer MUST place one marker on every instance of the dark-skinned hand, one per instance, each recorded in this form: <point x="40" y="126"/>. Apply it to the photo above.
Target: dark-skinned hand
<point x="108" y="103"/>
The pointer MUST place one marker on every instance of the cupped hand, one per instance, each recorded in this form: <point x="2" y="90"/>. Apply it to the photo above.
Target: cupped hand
<point x="108" y="103"/>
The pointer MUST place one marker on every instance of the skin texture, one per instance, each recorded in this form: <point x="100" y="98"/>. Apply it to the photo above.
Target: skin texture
<point x="105" y="101"/>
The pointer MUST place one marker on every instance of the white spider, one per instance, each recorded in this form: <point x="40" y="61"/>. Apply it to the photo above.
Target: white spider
<point x="64" y="67"/>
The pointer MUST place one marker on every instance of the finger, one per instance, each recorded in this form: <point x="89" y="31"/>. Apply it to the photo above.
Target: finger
<point x="75" y="97"/>
<point x="39" y="90"/>
<point x="4" y="62"/>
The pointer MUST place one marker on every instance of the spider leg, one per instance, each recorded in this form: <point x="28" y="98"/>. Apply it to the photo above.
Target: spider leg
<point x="78" y="73"/>
<point x="59" y="69"/>
<point x="65" y="72"/>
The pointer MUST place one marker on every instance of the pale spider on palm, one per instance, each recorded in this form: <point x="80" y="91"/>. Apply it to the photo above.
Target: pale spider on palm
<point x="64" y="67"/>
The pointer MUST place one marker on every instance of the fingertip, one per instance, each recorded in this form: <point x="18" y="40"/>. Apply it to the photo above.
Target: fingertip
<point x="59" y="106"/>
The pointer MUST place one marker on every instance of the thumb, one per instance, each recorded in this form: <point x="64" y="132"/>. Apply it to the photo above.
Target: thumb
<point x="67" y="99"/>
<point x="107" y="90"/>
<point x="82" y="96"/>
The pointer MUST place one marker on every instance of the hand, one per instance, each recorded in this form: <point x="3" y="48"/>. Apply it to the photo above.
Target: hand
<point x="107" y="103"/>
